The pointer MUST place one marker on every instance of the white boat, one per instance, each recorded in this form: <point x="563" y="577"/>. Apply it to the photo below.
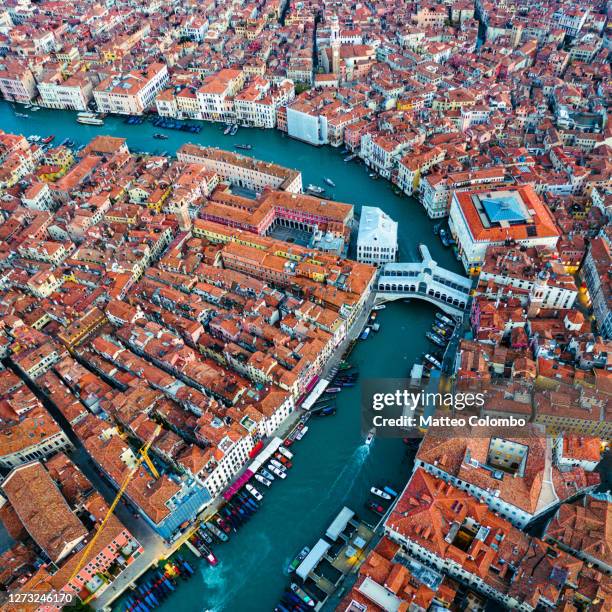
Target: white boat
<point x="365" y="333"/>
<point x="254" y="492"/>
<point x="267" y="474"/>
<point x="287" y="453"/>
<point x="278" y="465"/>
<point x="380" y="493"/>
<point x="22" y="115"/>
<point x="315" y="189"/>
<point x="263" y="480"/>
<point x="379" y="307"/>
<point x="227" y="130"/>
<point x="370" y="437"/>
<point x="329" y="182"/>
<point x="434" y="362"/>
<point x="282" y="475"/>
<point x="300" y="434"/>
<point x="89" y="119"/>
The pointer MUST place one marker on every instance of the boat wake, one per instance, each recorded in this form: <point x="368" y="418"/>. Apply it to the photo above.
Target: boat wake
<point x="347" y="476"/>
<point x="223" y="581"/>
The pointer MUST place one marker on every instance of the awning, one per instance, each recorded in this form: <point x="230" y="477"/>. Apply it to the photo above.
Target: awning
<point x="312" y="559"/>
<point x="340" y="522"/>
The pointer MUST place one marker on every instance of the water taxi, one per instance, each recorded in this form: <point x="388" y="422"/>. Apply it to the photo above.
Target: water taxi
<point x="298" y="559"/>
<point x="89" y="119"/>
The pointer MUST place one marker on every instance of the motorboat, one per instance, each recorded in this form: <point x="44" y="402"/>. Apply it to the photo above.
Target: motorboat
<point x="284" y="451"/>
<point x="280" y="473"/>
<point x="329" y="182"/>
<point x="370" y="437"/>
<point x="380" y="493"/>
<point x="267" y="474"/>
<point x="444" y="319"/>
<point x="300" y="434"/>
<point x="376" y="508"/>
<point x="309" y="601"/>
<point x="298" y="559"/>
<point x="263" y="480"/>
<point x="435" y="339"/>
<point x="244" y="147"/>
<point x="315" y="189"/>
<point x="278" y="464"/>
<point x="254" y="492"/>
<point x="434" y="362"/>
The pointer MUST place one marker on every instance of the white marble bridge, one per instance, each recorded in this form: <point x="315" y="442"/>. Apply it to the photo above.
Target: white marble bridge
<point x="425" y="281"/>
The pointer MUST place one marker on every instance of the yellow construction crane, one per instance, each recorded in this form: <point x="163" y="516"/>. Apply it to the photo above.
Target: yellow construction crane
<point x="143" y="456"/>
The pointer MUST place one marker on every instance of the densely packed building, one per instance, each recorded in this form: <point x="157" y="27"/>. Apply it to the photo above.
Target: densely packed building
<point x="137" y="311"/>
<point x="145" y="299"/>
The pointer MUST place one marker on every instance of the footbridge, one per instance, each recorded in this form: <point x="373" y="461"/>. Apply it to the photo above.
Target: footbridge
<point x="425" y="281"/>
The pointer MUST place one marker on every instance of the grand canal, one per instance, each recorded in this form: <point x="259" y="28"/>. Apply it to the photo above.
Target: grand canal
<point x="332" y="466"/>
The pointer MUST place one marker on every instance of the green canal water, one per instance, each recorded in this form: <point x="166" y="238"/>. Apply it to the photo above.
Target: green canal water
<point x="332" y="466"/>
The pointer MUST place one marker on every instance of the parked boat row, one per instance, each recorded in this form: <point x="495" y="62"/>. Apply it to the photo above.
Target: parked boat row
<point x="134" y="120"/>
<point x="173" y="124"/>
<point x="299" y="431"/>
<point x="157" y="585"/>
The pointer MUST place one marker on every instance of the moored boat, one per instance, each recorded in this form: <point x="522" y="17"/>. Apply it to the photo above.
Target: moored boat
<point x="438" y="340"/>
<point x="263" y="480"/>
<point x="380" y="493"/>
<point x="315" y="189"/>
<point x="329" y="182"/>
<point x="300" y="434"/>
<point x="298" y="559"/>
<point x="444" y="319"/>
<point x="254" y="492"/>
<point x="434" y="362"/>
<point x="284" y="451"/>
<point x="309" y="601"/>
